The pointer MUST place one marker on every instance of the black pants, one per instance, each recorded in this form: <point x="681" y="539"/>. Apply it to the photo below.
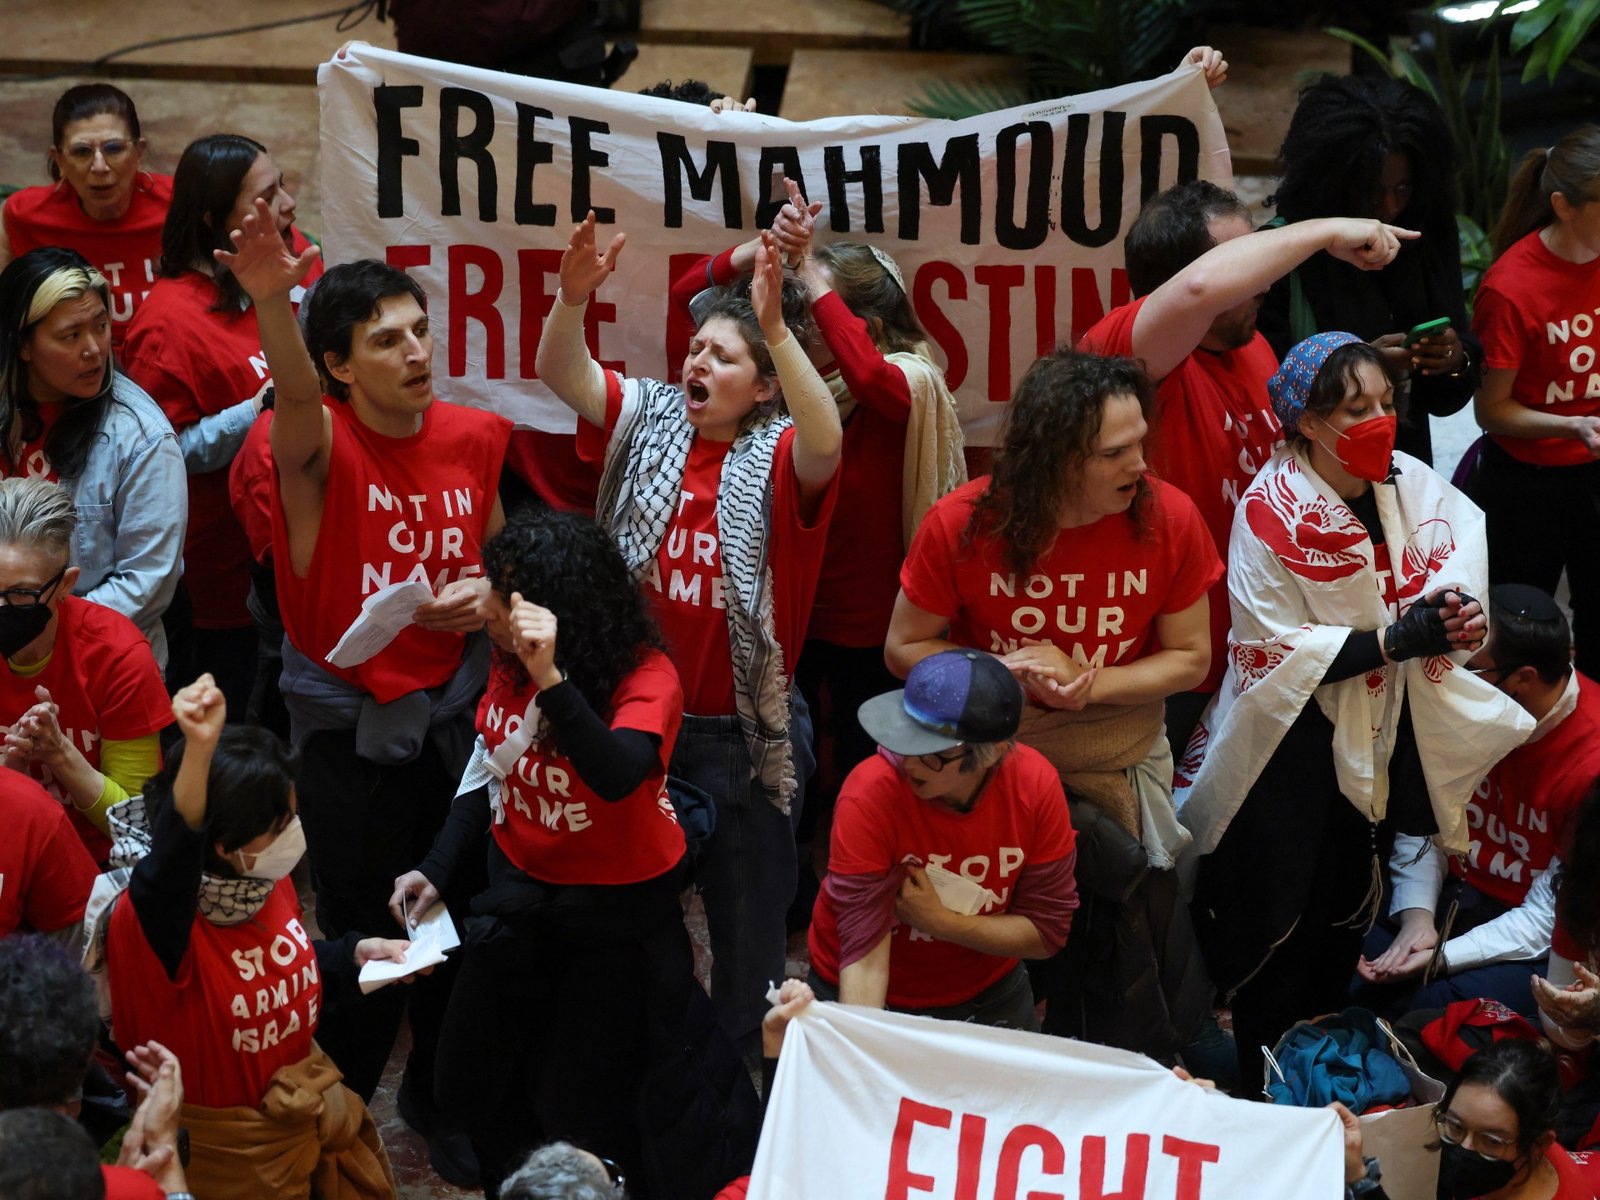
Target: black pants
<point x="836" y="681"/>
<point x="1274" y="901"/>
<point x="1540" y="521"/>
<point x="546" y="1034"/>
<point x="365" y="825"/>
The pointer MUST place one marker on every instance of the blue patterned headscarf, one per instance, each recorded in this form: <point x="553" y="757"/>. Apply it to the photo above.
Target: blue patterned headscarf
<point x="1291" y="386"/>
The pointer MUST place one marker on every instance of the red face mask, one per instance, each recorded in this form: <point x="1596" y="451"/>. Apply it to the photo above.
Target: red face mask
<point x="1366" y="448"/>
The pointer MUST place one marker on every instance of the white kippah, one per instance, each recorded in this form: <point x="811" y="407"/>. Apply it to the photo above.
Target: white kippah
<point x="890" y="267"/>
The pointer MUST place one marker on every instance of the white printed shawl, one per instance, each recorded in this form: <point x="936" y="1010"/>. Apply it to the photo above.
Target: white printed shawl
<point x="639" y="489"/>
<point x="1301" y="577"/>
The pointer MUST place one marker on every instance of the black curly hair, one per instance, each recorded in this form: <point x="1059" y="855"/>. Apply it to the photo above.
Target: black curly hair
<point x="48" y="1019"/>
<point x="690" y="91"/>
<point x="1343" y="129"/>
<point x="568" y="564"/>
<point x="1050" y="432"/>
<point x="1578" y="889"/>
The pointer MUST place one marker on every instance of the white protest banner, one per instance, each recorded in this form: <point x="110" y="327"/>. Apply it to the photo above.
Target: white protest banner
<point x="1008" y="227"/>
<point x="882" y="1106"/>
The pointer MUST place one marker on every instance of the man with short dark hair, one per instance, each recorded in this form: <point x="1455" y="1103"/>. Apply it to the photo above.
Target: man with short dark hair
<point x="1198" y="274"/>
<point x="1520" y="818"/>
<point x="376" y="485"/>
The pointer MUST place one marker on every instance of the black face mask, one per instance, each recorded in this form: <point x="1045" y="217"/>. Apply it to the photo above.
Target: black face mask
<point x="19" y="626"/>
<point x="1464" y="1175"/>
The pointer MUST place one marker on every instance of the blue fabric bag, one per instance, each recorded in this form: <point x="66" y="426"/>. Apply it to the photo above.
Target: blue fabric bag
<point x="1344" y="1057"/>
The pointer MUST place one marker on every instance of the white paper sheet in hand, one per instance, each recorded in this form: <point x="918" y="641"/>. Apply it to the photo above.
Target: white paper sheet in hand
<point x="958" y="893"/>
<point x="383" y="615"/>
<point x="431" y="939"/>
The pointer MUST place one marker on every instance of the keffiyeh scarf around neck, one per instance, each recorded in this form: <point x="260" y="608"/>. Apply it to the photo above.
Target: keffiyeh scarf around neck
<point x="222" y="901"/>
<point x="639" y="490"/>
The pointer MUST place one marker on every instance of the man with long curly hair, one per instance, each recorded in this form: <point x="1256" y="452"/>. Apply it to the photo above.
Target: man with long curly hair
<point x="1088" y="578"/>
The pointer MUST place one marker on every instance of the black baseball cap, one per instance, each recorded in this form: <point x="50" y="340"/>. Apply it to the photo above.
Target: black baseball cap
<point x="951" y="698"/>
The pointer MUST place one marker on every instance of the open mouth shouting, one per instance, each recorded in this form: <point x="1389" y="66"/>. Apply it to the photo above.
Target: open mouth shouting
<point x="696" y="397"/>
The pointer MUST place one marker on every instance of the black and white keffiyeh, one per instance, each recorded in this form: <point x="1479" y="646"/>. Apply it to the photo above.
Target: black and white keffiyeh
<point x="222" y="901"/>
<point x="639" y="491"/>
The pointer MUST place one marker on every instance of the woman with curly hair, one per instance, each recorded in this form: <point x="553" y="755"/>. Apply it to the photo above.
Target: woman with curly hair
<point x="1379" y="148"/>
<point x="1351" y="577"/>
<point x="1088" y="578"/>
<point x="585" y="861"/>
<point x="719" y="492"/>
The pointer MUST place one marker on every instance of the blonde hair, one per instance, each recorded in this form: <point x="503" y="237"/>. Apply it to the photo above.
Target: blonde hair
<point x="63" y="282"/>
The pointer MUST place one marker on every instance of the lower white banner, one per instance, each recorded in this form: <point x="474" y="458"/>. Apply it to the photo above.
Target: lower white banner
<point x="880" y="1106"/>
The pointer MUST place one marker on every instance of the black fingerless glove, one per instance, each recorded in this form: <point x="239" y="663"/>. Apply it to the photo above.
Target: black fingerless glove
<point x="1421" y="632"/>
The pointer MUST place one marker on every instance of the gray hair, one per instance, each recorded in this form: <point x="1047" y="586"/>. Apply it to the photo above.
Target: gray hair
<point x="981" y="756"/>
<point x="36" y="513"/>
<point x="559" y="1171"/>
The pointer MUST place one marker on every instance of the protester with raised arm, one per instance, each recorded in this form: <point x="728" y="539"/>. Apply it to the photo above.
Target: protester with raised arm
<point x="720" y="505"/>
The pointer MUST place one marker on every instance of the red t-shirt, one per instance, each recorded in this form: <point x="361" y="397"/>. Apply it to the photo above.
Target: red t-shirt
<point x="1095" y="593"/>
<point x="1524" y="810"/>
<point x="559" y="831"/>
<point x="195" y="363"/>
<point x="250" y="487"/>
<point x="33" y="462"/>
<point x="1019" y="821"/>
<point x="45" y="873"/>
<point x="415" y="507"/>
<point x="685" y="583"/>
<point x="104" y="678"/>
<point x="243" y="1006"/>
<point x="125" y="1183"/>
<point x="861" y="562"/>
<point x="1212" y="430"/>
<point x="549" y="464"/>
<point x="126" y="251"/>
<point x="1574" y="1183"/>
<point x="1536" y="314"/>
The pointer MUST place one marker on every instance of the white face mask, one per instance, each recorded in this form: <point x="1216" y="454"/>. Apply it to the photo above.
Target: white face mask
<point x="280" y="855"/>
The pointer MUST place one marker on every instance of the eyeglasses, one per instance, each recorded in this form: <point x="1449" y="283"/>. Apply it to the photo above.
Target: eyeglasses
<point x="1493" y="1147"/>
<point x="21" y="597"/>
<point x="614" y="1173"/>
<point x="938" y="762"/>
<point x="82" y="153"/>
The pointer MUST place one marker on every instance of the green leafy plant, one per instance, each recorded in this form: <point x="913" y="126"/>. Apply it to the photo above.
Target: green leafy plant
<point x="1069" y="46"/>
<point x="1550" y="32"/>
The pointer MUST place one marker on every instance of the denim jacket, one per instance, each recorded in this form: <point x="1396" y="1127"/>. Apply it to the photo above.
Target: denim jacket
<point x="133" y="505"/>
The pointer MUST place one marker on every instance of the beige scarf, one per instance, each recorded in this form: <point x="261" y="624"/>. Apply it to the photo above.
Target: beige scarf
<point x="1094" y="748"/>
<point x="934" y="462"/>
